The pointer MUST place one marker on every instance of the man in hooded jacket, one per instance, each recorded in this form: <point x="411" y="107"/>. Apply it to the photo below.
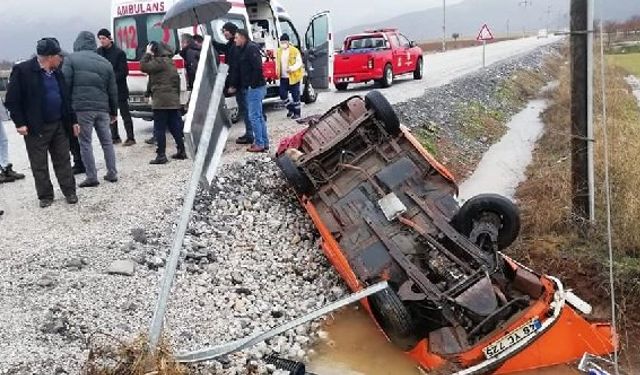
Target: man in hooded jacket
<point x="94" y="98"/>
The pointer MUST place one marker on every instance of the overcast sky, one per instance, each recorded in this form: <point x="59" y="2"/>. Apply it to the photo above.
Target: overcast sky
<point x="22" y="22"/>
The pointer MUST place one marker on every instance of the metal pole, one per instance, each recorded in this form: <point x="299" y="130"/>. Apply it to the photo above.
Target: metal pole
<point x="444" y="25"/>
<point x="579" y="118"/>
<point x="507" y="28"/>
<point x="484" y="53"/>
<point x="590" y="93"/>
<point x="155" y="330"/>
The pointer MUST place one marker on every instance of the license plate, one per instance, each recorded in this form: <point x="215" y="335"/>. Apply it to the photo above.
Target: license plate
<point x="349" y="79"/>
<point x="517" y="335"/>
<point x="137" y="99"/>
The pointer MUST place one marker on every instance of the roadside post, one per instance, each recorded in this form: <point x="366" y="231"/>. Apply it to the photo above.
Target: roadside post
<point x="484" y="35"/>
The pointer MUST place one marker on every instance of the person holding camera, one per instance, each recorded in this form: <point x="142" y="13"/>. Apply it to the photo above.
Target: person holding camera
<point x="164" y="86"/>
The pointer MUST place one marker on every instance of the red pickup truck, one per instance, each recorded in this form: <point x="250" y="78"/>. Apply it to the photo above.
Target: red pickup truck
<point x="377" y="55"/>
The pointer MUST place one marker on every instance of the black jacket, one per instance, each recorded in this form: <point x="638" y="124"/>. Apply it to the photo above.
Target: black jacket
<point x="118" y="60"/>
<point x="250" y="66"/>
<point x="191" y="57"/>
<point x="25" y="96"/>
<point x="232" y="54"/>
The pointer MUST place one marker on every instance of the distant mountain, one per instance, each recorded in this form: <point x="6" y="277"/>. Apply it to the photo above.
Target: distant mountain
<point x="502" y="16"/>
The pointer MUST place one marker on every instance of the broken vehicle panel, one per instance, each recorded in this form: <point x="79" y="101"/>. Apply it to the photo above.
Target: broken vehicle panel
<point x="386" y="210"/>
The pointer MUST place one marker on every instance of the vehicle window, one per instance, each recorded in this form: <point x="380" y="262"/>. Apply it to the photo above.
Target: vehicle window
<point x="321" y="31"/>
<point x="404" y="42"/>
<point x="396" y="40"/>
<point x="126" y="36"/>
<point x="287" y="28"/>
<point x="156" y="33"/>
<point x="216" y="26"/>
<point x="368" y="42"/>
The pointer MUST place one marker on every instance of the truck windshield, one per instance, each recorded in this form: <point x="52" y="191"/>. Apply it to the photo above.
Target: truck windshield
<point x="133" y="33"/>
<point x="367" y="43"/>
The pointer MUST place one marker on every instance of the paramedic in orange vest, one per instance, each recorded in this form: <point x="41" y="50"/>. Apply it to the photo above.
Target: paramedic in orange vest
<point x="290" y="70"/>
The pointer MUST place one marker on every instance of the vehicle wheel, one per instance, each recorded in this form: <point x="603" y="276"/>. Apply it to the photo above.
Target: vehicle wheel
<point x="309" y="95"/>
<point x="384" y="111"/>
<point x="394" y="318"/>
<point x="387" y="76"/>
<point x="300" y="182"/>
<point x="342" y="86"/>
<point x="494" y="209"/>
<point x="419" y="72"/>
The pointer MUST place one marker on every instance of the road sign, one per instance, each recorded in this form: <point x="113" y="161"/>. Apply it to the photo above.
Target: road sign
<point x="485" y="34"/>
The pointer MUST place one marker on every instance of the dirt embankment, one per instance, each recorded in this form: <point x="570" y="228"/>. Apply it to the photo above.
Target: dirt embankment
<point x="551" y="240"/>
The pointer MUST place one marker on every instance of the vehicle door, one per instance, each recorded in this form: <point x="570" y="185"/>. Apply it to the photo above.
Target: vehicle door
<point x="409" y="59"/>
<point x="398" y="53"/>
<point x="319" y="51"/>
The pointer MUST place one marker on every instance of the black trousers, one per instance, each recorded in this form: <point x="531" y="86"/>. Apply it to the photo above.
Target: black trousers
<point x="164" y="119"/>
<point x="123" y="106"/>
<point x="54" y="141"/>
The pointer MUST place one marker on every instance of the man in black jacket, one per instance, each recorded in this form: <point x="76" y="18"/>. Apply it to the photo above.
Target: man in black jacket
<point x="190" y="53"/>
<point x="249" y="80"/>
<point x="40" y="108"/>
<point x="118" y="60"/>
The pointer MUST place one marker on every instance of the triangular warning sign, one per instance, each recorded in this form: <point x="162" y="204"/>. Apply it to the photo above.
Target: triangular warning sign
<point x="485" y="33"/>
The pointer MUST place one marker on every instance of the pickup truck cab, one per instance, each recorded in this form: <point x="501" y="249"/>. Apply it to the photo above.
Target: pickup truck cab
<point x="377" y="55"/>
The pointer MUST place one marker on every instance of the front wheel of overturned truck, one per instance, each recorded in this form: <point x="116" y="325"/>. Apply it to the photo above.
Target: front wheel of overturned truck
<point x="294" y="175"/>
<point x="489" y="215"/>
<point x="394" y="319"/>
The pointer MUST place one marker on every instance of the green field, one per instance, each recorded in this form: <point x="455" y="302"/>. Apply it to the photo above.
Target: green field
<point x="629" y="62"/>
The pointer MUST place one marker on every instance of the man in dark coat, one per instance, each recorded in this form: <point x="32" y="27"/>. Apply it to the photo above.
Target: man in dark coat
<point x="40" y="108"/>
<point x="190" y="53"/>
<point x="118" y="60"/>
<point x="94" y="98"/>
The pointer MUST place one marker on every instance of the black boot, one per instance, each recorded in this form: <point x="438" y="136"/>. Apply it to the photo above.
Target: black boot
<point x="8" y="171"/>
<point x="5" y="178"/>
<point x="181" y="155"/>
<point x="150" y="141"/>
<point x="160" y="159"/>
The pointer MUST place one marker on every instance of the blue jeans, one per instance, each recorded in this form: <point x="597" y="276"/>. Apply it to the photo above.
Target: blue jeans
<point x="294" y="106"/>
<point x="255" y="96"/>
<point x="4" y="147"/>
<point x="242" y="108"/>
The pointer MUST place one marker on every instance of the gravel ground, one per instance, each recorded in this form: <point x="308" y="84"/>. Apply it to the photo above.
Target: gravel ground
<point x="251" y="260"/>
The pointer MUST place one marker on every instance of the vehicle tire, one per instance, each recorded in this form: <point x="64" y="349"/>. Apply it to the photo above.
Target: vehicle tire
<point x="419" y="72"/>
<point x="394" y="319"/>
<point x="342" y="86"/>
<point x="299" y="181"/>
<point x="474" y="209"/>
<point x="387" y="76"/>
<point x="309" y="94"/>
<point x="384" y="111"/>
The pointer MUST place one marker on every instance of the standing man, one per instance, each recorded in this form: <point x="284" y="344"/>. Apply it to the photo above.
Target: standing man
<point x="40" y="108"/>
<point x="252" y="84"/>
<point x="94" y="98"/>
<point x="190" y="53"/>
<point x="118" y="60"/>
<point x="7" y="174"/>
<point x="291" y="71"/>
<point x="232" y="53"/>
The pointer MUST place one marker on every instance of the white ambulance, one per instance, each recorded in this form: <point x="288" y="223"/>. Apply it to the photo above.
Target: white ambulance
<point x="138" y="22"/>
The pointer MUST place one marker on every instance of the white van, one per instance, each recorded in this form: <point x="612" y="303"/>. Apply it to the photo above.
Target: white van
<point x="138" y="22"/>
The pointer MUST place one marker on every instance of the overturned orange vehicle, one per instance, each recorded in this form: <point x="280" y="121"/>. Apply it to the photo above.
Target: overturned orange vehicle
<point x="387" y="210"/>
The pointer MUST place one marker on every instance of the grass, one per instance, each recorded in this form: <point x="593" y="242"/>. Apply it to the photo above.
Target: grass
<point x="551" y="240"/>
<point x="428" y="140"/>
<point x="630" y="62"/>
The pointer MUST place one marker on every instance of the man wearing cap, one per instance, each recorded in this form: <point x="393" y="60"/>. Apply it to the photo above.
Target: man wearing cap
<point x="40" y="108"/>
<point x="290" y="70"/>
<point x="118" y="60"/>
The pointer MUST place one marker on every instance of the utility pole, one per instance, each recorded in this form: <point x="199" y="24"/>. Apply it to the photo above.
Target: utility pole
<point x="444" y="25"/>
<point x="548" y="13"/>
<point x="507" y="28"/>
<point x="581" y="110"/>
<point x="525" y="4"/>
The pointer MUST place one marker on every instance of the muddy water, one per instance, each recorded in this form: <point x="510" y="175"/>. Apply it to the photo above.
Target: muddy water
<point x="503" y="167"/>
<point x="355" y="345"/>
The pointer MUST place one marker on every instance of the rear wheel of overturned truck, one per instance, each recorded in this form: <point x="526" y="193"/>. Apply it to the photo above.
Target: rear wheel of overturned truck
<point x="394" y="319"/>
<point x="294" y="175"/>
<point x="384" y="112"/>
<point x="489" y="216"/>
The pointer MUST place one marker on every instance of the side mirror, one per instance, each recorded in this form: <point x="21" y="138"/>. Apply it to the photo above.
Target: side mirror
<point x="413" y="44"/>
